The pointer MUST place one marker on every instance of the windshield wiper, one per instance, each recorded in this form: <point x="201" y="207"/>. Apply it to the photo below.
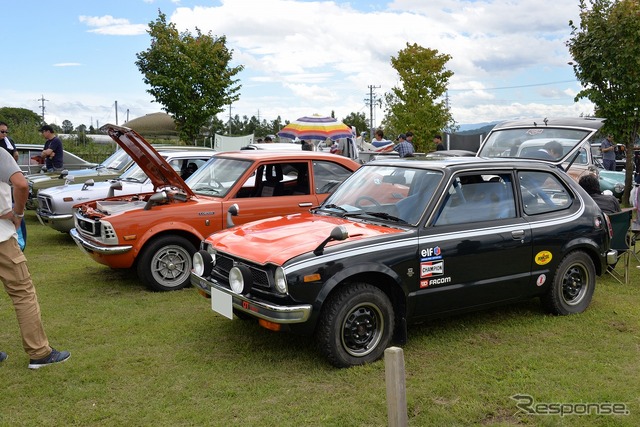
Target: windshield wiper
<point x="385" y="215"/>
<point x="382" y="215"/>
<point x="332" y="206"/>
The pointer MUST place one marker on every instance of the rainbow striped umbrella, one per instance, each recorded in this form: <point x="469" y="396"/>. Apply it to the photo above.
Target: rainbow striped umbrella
<point x="316" y="127"/>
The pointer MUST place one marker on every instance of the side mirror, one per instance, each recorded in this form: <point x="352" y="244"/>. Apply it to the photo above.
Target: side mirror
<point x="63" y="174"/>
<point x="88" y="183"/>
<point x="233" y="210"/>
<point x="70" y="179"/>
<point x="338" y="233"/>
<point x="115" y="185"/>
<point x="155" y="199"/>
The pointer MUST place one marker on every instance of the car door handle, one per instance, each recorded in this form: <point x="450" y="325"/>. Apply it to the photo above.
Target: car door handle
<point x="517" y="235"/>
<point x="305" y="204"/>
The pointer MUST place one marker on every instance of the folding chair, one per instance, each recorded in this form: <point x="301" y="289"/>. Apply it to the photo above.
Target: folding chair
<point x="621" y="226"/>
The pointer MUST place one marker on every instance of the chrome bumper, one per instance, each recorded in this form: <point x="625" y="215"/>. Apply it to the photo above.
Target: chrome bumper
<point x="90" y="247"/>
<point x="62" y="223"/>
<point x="261" y="309"/>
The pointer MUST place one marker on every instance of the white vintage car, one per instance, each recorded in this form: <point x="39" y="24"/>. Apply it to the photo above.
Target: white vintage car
<point x="55" y="204"/>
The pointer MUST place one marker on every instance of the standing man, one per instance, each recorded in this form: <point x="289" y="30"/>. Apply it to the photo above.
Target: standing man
<point x="607" y="147"/>
<point x="438" y="141"/>
<point x="52" y="152"/>
<point x="7" y="143"/>
<point x="14" y="272"/>
<point x="404" y="147"/>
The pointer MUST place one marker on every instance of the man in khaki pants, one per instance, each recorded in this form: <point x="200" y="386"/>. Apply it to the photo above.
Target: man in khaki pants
<point x="13" y="268"/>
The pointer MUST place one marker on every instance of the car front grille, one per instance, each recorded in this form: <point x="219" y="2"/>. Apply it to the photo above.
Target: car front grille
<point x="88" y="226"/>
<point x="225" y="263"/>
<point x="44" y="203"/>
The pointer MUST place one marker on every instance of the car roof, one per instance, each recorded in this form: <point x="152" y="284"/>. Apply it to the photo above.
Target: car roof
<point x="585" y="122"/>
<point x="256" y="155"/>
<point x="462" y="163"/>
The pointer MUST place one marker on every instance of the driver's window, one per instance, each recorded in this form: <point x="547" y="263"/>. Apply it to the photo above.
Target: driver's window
<point x="476" y="197"/>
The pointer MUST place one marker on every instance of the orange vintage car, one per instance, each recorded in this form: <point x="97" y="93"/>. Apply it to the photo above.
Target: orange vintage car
<point x="157" y="233"/>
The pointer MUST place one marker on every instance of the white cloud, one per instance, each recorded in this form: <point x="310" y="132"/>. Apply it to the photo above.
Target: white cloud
<point x="108" y="25"/>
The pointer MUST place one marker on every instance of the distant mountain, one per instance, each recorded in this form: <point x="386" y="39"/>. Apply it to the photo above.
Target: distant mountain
<point x="476" y="128"/>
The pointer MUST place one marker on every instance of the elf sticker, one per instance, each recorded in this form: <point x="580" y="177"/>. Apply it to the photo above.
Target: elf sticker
<point x="429" y="269"/>
<point x="543" y="257"/>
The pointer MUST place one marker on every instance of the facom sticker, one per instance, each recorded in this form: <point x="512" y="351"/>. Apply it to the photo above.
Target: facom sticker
<point x="543" y="257"/>
<point x="541" y="279"/>
<point x="438" y="281"/>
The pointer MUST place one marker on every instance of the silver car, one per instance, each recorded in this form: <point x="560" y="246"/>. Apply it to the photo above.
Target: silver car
<point x="55" y="204"/>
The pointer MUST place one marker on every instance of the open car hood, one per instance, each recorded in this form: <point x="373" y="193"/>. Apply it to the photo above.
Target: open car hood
<point x="153" y="164"/>
<point x="525" y="138"/>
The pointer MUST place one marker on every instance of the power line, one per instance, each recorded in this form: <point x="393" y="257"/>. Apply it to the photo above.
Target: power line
<point x="513" y="87"/>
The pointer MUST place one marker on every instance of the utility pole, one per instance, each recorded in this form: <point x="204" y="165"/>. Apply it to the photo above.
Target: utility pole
<point x="116" y="113"/>
<point x="372" y="100"/>
<point x="229" y="119"/>
<point x="42" y="107"/>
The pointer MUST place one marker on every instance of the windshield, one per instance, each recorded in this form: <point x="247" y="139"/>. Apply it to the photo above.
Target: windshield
<point x="532" y="143"/>
<point x="116" y="161"/>
<point x="217" y="176"/>
<point x="393" y="193"/>
<point x="134" y="174"/>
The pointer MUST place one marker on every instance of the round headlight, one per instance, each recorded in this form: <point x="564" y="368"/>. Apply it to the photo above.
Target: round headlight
<point x="240" y="279"/>
<point x="281" y="281"/>
<point x="202" y="263"/>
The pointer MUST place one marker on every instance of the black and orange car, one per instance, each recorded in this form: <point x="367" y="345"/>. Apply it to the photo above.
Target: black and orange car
<point x="402" y="241"/>
<point x="158" y="232"/>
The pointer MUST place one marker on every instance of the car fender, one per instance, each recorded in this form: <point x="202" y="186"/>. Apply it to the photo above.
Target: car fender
<point x="166" y="228"/>
<point x="385" y="278"/>
<point x="590" y="248"/>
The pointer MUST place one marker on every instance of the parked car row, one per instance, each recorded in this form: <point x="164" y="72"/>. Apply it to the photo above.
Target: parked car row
<point x="317" y="244"/>
<point x="30" y="161"/>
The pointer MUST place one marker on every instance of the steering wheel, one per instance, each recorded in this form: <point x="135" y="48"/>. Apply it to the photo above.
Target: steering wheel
<point x="368" y="199"/>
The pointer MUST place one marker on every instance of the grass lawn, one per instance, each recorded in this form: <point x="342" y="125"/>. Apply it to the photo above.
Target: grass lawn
<point x="143" y="358"/>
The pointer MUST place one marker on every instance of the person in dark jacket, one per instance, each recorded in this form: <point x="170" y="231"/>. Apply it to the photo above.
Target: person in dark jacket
<point x="608" y="203"/>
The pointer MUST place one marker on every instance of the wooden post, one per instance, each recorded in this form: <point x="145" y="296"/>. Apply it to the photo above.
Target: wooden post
<point x="396" y="388"/>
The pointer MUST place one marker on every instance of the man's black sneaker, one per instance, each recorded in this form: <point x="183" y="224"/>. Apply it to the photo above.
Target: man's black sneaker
<point x="55" y="357"/>
<point x="3" y="356"/>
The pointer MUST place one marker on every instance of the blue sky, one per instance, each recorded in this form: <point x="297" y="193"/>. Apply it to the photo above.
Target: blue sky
<point x="301" y="57"/>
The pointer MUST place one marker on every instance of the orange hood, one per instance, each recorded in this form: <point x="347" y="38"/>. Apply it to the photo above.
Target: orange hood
<point x="279" y="239"/>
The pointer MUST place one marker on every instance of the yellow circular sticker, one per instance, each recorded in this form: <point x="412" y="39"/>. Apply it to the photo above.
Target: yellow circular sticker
<point x="543" y="257"/>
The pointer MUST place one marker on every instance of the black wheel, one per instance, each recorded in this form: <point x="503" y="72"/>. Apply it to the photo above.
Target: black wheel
<point x="373" y="201"/>
<point x="356" y="325"/>
<point x="165" y="264"/>
<point x="573" y="285"/>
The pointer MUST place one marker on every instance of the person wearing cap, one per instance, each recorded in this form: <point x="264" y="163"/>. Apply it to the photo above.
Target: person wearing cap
<point x="7" y="143"/>
<point x="404" y="147"/>
<point x="52" y="152"/>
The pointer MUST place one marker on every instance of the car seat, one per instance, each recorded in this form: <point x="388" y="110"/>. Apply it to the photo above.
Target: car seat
<point x="272" y="184"/>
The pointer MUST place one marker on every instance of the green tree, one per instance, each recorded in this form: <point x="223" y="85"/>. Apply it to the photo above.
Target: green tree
<point x="16" y="116"/>
<point x="359" y="120"/>
<point x="606" y="59"/>
<point x="189" y="75"/>
<point x="417" y="104"/>
<point x="67" y="126"/>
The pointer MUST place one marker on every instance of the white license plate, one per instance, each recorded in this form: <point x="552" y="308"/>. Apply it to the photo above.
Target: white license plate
<point x="222" y="303"/>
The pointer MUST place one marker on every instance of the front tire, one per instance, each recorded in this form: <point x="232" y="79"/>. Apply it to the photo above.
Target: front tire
<point x="165" y="264"/>
<point x="356" y="325"/>
<point x="573" y="285"/>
